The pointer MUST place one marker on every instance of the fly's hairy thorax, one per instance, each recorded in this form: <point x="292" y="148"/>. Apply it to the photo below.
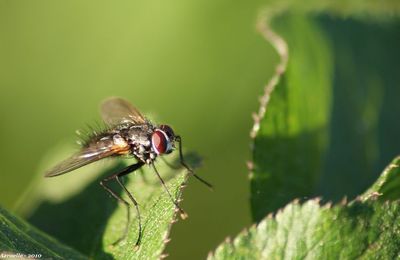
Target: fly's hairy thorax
<point x="138" y="137"/>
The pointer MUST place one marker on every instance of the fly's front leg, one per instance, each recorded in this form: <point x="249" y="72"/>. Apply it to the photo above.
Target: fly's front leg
<point x="183" y="163"/>
<point x="181" y="211"/>
<point x="117" y="176"/>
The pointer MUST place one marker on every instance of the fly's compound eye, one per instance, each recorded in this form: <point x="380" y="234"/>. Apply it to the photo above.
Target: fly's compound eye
<point x="161" y="142"/>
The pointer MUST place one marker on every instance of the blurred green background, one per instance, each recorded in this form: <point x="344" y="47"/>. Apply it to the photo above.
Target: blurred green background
<point x="199" y="66"/>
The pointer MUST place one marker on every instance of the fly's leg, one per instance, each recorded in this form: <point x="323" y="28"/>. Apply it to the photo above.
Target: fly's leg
<point x="121" y="200"/>
<point x="182" y="213"/>
<point x="137" y="210"/>
<point x="183" y="163"/>
<point x="117" y="177"/>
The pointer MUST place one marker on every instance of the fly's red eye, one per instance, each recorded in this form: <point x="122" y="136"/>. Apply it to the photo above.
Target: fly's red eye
<point x="159" y="142"/>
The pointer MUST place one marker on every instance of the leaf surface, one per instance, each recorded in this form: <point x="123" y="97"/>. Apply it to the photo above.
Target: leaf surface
<point x="291" y="128"/>
<point x="19" y="237"/>
<point x="310" y="231"/>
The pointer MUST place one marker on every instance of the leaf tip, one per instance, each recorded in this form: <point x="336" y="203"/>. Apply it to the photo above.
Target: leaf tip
<point x="182" y="213"/>
<point x="250" y="165"/>
<point x="184" y="216"/>
<point x="375" y="195"/>
<point x="317" y="200"/>
<point x="228" y="240"/>
<point x="328" y="205"/>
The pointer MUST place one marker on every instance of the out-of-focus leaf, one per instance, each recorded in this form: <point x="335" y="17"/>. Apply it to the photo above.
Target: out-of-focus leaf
<point x="309" y="231"/>
<point x="327" y="121"/>
<point x="365" y="126"/>
<point x="291" y="138"/>
<point x="18" y="238"/>
<point x="387" y="187"/>
<point x="90" y="220"/>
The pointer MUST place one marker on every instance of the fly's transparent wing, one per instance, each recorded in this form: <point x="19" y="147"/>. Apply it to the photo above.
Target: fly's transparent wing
<point x="116" y="110"/>
<point x="88" y="154"/>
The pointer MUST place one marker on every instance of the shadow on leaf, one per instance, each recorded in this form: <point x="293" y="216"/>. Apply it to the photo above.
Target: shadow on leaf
<point x="80" y="221"/>
<point x="276" y="181"/>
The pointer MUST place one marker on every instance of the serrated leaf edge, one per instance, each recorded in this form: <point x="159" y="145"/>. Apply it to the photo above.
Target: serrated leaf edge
<point x="295" y="203"/>
<point x="175" y="218"/>
<point x="281" y="47"/>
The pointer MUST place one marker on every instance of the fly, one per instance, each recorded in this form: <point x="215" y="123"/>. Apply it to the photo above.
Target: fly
<point x="128" y="133"/>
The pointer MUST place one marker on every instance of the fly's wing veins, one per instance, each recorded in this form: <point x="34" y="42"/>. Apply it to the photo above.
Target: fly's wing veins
<point x="116" y="110"/>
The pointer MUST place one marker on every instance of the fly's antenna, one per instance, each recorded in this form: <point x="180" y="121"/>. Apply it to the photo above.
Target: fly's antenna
<point x="179" y="140"/>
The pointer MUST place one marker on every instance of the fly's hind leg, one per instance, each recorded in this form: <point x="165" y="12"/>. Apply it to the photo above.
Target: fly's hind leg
<point x="121" y="200"/>
<point x="117" y="177"/>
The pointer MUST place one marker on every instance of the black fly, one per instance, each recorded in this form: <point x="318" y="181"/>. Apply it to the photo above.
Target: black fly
<point x="128" y="133"/>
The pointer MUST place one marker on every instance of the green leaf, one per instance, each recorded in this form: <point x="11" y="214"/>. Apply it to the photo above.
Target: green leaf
<point x="327" y="122"/>
<point x="18" y="237"/>
<point x="291" y="137"/>
<point x="75" y="209"/>
<point x="387" y="187"/>
<point x="364" y="228"/>
<point x="359" y="230"/>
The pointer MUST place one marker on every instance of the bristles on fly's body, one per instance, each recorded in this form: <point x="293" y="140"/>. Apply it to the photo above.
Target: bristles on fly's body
<point x="92" y="133"/>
